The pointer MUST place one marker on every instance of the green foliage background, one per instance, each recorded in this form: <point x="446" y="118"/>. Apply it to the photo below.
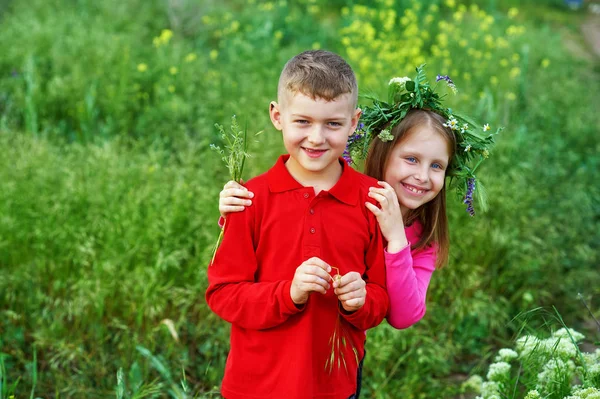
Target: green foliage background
<point x="108" y="189"/>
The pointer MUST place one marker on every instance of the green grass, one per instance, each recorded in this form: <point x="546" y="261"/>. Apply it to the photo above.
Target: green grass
<point x="108" y="189"/>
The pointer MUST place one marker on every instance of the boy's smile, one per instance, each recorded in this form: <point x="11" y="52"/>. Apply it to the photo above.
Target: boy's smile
<point x="315" y="132"/>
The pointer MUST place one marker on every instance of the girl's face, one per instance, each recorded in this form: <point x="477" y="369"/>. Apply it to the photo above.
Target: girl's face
<point x="416" y="167"/>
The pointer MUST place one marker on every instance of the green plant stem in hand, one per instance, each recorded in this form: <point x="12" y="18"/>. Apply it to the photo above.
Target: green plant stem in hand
<point x="234" y="155"/>
<point x="340" y="339"/>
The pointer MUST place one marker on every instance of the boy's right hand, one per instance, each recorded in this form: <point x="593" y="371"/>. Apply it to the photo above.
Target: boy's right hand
<point x="311" y="276"/>
<point x="234" y="198"/>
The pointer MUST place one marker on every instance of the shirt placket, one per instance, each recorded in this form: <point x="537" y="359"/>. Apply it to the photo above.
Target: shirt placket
<point x="312" y="234"/>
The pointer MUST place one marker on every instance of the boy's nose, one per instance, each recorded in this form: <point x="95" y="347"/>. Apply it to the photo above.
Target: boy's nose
<point x="316" y="136"/>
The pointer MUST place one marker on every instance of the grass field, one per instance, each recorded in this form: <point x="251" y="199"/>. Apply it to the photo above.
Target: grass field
<point x="109" y="190"/>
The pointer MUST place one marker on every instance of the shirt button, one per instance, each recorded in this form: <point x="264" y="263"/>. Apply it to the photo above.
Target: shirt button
<point x="312" y="211"/>
<point x="312" y="230"/>
<point x="305" y="195"/>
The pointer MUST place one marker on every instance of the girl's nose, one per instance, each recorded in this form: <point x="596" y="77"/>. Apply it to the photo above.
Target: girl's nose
<point x="422" y="175"/>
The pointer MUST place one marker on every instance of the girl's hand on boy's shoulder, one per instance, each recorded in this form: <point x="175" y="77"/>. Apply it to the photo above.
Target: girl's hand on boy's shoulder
<point x="234" y="198"/>
<point x="388" y="213"/>
<point x="351" y="291"/>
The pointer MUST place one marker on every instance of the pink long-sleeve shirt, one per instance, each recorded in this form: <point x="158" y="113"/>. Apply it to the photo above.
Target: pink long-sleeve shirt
<point x="408" y="273"/>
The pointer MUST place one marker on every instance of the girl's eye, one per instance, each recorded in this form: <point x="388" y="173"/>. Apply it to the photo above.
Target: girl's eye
<point x="437" y="166"/>
<point x="411" y="159"/>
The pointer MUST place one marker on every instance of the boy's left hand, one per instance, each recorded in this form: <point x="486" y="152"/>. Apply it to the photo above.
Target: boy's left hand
<point x="350" y="290"/>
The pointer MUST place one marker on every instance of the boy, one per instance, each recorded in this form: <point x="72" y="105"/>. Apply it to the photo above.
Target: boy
<point x="272" y="275"/>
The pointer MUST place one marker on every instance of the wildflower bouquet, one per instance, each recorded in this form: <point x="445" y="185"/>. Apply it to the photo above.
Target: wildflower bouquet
<point x="234" y="155"/>
<point x="404" y="94"/>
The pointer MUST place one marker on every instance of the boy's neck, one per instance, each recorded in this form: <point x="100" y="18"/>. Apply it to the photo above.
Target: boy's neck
<point x="319" y="181"/>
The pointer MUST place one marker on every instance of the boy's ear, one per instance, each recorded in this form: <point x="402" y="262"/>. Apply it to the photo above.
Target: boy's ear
<point x="355" y="119"/>
<point x="275" y="115"/>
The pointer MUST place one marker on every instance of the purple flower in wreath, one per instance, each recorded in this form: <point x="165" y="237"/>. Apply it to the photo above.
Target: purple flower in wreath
<point x="468" y="200"/>
<point x="449" y="81"/>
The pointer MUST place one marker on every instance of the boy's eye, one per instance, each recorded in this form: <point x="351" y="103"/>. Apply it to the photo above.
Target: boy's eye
<point x="301" y="121"/>
<point x="437" y="166"/>
<point x="335" y="124"/>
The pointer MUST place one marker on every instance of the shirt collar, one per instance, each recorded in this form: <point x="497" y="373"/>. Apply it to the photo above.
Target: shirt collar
<point x="345" y="190"/>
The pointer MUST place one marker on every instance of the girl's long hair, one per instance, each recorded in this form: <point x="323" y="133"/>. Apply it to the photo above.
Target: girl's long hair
<point x="431" y="215"/>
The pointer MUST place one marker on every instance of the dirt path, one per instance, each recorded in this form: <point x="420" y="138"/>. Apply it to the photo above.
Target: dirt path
<point x="591" y="32"/>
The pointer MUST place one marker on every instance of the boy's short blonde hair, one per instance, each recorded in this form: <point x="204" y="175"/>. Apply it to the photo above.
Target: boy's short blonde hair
<point x="318" y="74"/>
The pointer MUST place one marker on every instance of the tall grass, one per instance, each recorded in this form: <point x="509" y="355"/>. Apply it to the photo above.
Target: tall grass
<point x="108" y="188"/>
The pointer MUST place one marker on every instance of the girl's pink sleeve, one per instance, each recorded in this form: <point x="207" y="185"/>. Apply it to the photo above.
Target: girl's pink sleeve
<point x="408" y="276"/>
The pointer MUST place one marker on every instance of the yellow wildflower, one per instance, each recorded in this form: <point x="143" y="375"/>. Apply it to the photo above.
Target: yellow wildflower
<point x="173" y="70"/>
<point x="171" y="89"/>
<point x="190" y="57"/>
<point x="165" y="36"/>
<point x="316" y="45"/>
<point x="278" y="34"/>
<point x="504" y="62"/>
<point x="513" y="12"/>
<point x="502" y="42"/>
<point x="545" y="63"/>
<point x="450" y="3"/>
<point x="515" y="72"/>
<point x="494" y="80"/>
<point x="511" y="96"/>
<point x="213" y="54"/>
<point x="142" y="67"/>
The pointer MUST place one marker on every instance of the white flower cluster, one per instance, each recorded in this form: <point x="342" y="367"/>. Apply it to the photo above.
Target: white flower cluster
<point x="584" y="393"/>
<point x="592" y="363"/>
<point x="533" y="394"/>
<point x="506" y="355"/>
<point x="559" y="344"/>
<point x="399" y="81"/>
<point x="555" y="372"/>
<point x="499" y="372"/>
<point x="567" y="334"/>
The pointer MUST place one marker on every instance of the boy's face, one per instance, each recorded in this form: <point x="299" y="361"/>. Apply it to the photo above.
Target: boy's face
<point x="315" y="131"/>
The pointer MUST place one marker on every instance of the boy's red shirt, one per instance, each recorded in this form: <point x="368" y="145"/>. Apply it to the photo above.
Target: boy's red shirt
<point x="278" y="350"/>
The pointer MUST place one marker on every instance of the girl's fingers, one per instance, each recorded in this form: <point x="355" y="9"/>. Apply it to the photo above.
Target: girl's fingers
<point x="374" y="210"/>
<point x="386" y="192"/>
<point x="385" y="185"/>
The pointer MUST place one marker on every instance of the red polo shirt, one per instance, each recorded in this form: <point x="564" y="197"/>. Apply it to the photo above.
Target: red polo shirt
<point x="278" y="350"/>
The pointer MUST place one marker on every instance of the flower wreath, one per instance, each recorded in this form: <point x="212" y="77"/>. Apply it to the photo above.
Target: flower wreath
<point x="404" y="94"/>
